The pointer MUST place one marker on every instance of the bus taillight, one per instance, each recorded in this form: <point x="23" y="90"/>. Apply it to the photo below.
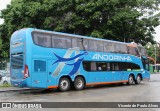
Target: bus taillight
<point x="26" y="72"/>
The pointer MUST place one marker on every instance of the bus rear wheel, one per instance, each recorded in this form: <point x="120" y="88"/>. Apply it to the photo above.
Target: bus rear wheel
<point x="79" y="83"/>
<point x="131" y="80"/>
<point x="138" y="79"/>
<point x="64" y="84"/>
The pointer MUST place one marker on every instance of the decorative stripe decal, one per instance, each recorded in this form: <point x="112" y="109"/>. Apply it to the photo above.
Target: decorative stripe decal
<point x="103" y="83"/>
<point x="51" y="87"/>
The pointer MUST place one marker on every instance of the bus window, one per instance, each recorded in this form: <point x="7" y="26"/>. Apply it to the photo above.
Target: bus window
<point x="96" y="66"/>
<point x="39" y="66"/>
<point x="143" y="51"/>
<point x="17" y="61"/>
<point x="122" y="66"/>
<point x="82" y="44"/>
<point x="85" y="44"/>
<point x="61" y="42"/>
<point x="92" y="45"/>
<point x="114" y="66"/>
<point x="145" y="64"/>
<point x="120" y="48"/>
<point x="99" y="46"/>
<point x="132" y="66"/>
<point x="109" y="47"/>
<point x="87" y="66"/>
<point x="42" y="39"/>
<point x="68" y="43"/>
<point x="74" y="42"/>
<point x="133" y="51"/>
<point x="95" y="46"/>
<point x="93" y="66"/>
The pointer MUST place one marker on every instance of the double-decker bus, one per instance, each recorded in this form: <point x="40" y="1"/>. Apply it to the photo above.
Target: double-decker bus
<point x="47" y="59"/>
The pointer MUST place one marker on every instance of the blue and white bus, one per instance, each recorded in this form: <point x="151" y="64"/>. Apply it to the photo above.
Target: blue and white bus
<point x="47" y="59"/>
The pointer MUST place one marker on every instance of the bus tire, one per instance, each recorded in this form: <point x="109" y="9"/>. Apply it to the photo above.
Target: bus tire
<point x="131" y="80"/>
<point x="138" y="79"/>
<point x="79" y="83"/>
<point x="64" y="84"/>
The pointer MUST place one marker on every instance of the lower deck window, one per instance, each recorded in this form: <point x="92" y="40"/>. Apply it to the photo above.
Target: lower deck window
<point x="109" y="66"/>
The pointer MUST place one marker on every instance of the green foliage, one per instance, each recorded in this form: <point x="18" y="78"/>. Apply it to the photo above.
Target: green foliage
<point x="129" y="20"/>
<point x="153" y="51"/>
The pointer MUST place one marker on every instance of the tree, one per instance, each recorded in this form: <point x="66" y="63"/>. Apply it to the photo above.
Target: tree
<point x="153" y="51"/>
<point x="122" y="20"/>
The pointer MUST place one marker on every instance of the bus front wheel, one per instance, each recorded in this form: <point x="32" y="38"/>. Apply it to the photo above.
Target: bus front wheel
<point x="131" y="80"/>
<point x="64" y="84"/>
<point x="79" y="83"/>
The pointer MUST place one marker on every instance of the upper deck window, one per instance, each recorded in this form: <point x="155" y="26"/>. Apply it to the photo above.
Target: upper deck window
<point x="142" y="51"/>
<point x="133" y="51"/>
<point x="61" y="42"/>
<point x="65" y="42"/>
<point x="42" y="39"/>
<point x="96" y="46"/>
<point x="109" y="47"/>
<point x="120" y="48"/>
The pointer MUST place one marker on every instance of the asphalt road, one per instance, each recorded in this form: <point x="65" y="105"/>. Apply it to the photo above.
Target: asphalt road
<point x="145" y="92"/>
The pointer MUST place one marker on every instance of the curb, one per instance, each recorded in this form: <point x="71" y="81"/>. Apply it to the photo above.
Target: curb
<point x="16" y="89"/>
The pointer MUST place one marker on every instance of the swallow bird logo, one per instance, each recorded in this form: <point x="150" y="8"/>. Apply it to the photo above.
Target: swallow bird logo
<point x="67" y="61"/>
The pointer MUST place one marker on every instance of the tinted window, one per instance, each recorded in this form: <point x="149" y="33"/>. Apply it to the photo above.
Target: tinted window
<point x="39" y="66"/>
<point x="120" y="48"/>
<point x="132" y="66"/>
<point x="95" y="46"/>
<point x="42" y="39"/>
<point x="109" y="47"/>
<point x="109" y="66"/>
<point x="82" y="44"/>
<point x="96" y="66"/>
<point x="74" y="42"/>
<point x="99" y="46"/>
<point x="92" y="45"/>
<point x="87" y="66"/>
<point x="61" y="42"/>
<point x="132" y="51"/>
<point x="142" y="50"/>
<point x="17" y="61"/>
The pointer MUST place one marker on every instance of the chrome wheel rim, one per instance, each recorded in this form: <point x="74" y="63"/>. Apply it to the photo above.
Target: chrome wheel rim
<point x="138" y="79"/>
<point x="64" y="84"/>
<point x="131" y="80"/>
<point x="79" y="83"/>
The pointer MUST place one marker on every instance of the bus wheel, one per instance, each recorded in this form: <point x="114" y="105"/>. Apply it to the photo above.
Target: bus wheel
<point x="131" y="80"/>
<point x="79" y="83"/>
<point x="64" y="84"/>
<point x="138" y="79"/>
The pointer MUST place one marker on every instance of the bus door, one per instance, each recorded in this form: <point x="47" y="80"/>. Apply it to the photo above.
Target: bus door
<point x="54" y="70"/>
<point x="39" y="73"/>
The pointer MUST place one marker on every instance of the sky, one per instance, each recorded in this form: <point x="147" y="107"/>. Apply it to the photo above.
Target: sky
<point x="3" y="4"/>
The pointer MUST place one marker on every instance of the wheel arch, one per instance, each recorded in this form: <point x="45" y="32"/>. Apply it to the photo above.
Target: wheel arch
<point x="66" y="77"/>
<point x="132" y="75"/>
